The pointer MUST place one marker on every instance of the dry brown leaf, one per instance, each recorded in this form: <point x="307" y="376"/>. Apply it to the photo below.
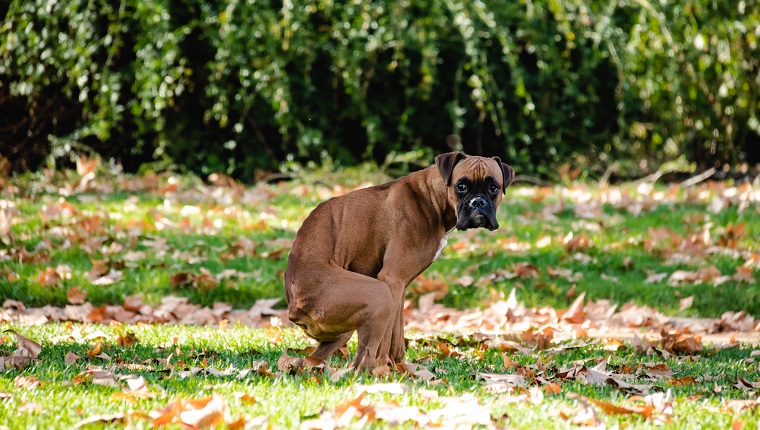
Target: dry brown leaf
<point x="706" y="274"/>
<point x="417" y="370"/>
<point x="103" y="377"/>
<point x="95" y="350"/>
<point x="584" y="415"/>
<point x="577" y="243"/>
<point x="27" y="382"/>
<point x="101" y="419"/>
<point x="264" y="307"/>
<point x="568" y="274"/>
<point x="613" y="409"/>
<point x="575" y="313"/>
<point x="97" y="376"/>
<point x="682" y="381"/>
<point x="127" y="339"/>
<point x="744" y="274"/>
<point x="596" y="375"/>
<point x="99" y="268"/>
<point x="26" y="347"/>
<point x="423" y="285"/>
<point x="204" y="413"/>
<point x="737" y="406"/>
<point x="685" y="303"/>
<point x="644" y="345"/>
<point x="513" y="379"/>
<point x="679" y="343"/>
<point x="137" y="388"/>
<point x="134" y="303"/>
<point x="244" y="398"/>
<point x="510" y="346"/>
<point x="446" y="350"/>
<point x="745" y="384"/>
<point x="525" y="270"/>
<point x="26" y="351"/>
<point x="461" y="412"/>
<point x="655" y="277"/>
<point x="49" y="277"/>
<point x="291" y="365"/>
<point x="201" y="413"/>
<point x="71" y="358"/>
<point x="338" y="374"/>
<point x="538" y="339"/>
<point x="612" y="344"/>
<point x="316" y="363"/>
<point x="180" y="278"/>
<point x="657" y="370"/>
<point x="76" y="296"/>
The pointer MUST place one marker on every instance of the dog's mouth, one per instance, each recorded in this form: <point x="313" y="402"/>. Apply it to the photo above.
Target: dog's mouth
<point x="477" y="219"/>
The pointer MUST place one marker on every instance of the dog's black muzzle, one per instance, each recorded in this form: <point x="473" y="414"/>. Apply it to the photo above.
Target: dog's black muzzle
<point x="476" y="212"/>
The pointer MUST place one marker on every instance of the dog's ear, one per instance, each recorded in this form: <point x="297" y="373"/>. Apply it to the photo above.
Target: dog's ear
<point x="446" y="163"/>
<point x="508" y="174"/>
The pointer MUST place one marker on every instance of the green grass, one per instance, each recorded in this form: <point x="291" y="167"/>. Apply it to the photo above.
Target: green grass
<point x="150" y="236"/>
<point x="185" y="221"/>
<point x="289" y="399"/>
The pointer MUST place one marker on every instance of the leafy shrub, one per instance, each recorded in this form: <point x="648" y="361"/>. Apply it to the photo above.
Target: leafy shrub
<point x="232" y="85"/>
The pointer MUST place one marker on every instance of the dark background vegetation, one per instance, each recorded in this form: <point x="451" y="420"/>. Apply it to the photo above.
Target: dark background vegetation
<point x="234" y="86"/>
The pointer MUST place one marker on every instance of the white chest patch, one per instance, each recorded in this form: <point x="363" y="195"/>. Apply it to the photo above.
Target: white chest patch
<point x="444" y="241"/>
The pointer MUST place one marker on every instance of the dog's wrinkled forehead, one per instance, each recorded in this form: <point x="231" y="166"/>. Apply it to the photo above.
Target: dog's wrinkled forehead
<point x="477" y="169"/>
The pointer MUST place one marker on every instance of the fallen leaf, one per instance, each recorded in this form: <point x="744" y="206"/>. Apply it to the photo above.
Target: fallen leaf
<point x="127" y="339"/>
<point x="514" y="380"/>
<point x="101" y="419"/>
<point x="27" y="351"/>
<point x="76" y="296"/>
<point x="461" y="412"/>
<point x="27" y="382"/>
<point x="137" y="388"/>
<point x="97" y="377"/>
<point x="613" y="409"/>
<point x="71" y="358"/>
<point x="423" y="285"/>
<point x="95" y="350"/>
<point x="679" y="343"/>
<point x="245" y="398"/>
<point x="584" y="415"/>
<point x="417" y="370"/>
<point x="575" y="314"/>
<point x="682" y="381"/>
<point x="685" y="303"/>
<point x="204" y="413"/>
<point x="49" y="277"/>
<point x="98" y="269"/>
<point x="291" y="365"/>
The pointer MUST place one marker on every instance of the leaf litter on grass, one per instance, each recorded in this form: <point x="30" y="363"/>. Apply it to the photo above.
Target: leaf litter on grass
<point x="117" y="241"/>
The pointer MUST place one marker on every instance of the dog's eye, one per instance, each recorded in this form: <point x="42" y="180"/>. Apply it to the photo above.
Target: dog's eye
<point x="462" y="188"/>
<point x="493" y="189"/>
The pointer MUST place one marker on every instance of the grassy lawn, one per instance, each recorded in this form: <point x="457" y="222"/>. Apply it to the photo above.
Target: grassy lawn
<point x="191" y="362"/>
<point x="92" y="243"/>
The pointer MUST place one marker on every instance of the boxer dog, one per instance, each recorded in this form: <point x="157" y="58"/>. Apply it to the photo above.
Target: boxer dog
<point x="354" y="255"/>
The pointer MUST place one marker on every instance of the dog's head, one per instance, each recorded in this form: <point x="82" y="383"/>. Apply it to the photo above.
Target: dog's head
<point x="475" y="187"/>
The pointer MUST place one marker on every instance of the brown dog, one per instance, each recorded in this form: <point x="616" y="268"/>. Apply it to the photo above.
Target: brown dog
<point x="355" y="254"/>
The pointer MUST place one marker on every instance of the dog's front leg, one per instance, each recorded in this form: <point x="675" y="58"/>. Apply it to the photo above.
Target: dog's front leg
<point x="395" y="322"/>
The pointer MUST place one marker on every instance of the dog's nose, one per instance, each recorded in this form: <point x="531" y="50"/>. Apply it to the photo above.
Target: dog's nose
<point x="478" y="202"/>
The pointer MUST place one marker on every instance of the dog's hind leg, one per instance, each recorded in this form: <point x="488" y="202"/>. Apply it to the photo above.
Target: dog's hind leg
<point x="330" y="303"/>
<point x="326" y="347"/>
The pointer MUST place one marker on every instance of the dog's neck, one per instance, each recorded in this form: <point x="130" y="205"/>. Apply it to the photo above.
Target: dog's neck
<point x="433" y="190"/>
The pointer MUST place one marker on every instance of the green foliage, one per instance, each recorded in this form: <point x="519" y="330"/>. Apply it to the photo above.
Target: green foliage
<point x="230" y="85"/>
